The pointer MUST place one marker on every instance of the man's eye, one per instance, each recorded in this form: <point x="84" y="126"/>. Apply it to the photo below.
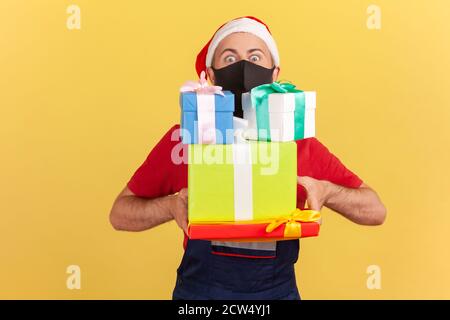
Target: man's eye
<point x="230" y="59"/>
<point x="254" y="58"/>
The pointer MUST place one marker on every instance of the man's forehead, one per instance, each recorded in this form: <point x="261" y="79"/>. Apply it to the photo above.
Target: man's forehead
<point x="242" y="40"/>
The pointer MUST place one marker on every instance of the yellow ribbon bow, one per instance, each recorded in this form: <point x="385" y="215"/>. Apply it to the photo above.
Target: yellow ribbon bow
<point x="293" y="227"/>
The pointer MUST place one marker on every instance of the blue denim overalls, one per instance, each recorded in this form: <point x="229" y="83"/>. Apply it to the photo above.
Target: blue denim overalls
<point x="233" y="270"/>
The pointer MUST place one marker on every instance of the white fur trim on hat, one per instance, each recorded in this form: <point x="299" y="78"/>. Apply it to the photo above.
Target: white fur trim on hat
<point x="243" y="25"/>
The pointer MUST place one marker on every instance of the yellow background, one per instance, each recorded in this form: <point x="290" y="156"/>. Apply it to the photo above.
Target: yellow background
<point x="81" y="109"/>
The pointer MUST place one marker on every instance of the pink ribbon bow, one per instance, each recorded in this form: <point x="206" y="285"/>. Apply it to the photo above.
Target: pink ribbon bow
<point x="201" y="86"/>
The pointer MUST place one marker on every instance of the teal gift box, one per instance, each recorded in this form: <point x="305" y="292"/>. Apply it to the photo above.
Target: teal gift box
<point x="279" y="112"/>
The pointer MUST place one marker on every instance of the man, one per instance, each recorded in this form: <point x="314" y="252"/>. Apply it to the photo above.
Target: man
<point x="241" y="55"/>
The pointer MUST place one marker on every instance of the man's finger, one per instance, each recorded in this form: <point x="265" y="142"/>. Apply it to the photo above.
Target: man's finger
<point x="300" y="180"/>
<point x="183" y="194"/>
<point x="304" y="180"/>
<point x="184" y="226"/>
<point x="312" y="203"/>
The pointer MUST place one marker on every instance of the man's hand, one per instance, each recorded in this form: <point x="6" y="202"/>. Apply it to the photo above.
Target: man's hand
<point x="361" y="205"/>
<point x="179" y="209"/>
<point x="316" y="191"/>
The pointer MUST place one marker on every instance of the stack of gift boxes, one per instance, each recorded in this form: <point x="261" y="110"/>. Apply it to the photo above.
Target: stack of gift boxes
<point x="242" y="173"/>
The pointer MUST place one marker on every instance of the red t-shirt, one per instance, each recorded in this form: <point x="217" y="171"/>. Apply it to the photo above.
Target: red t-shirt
<point x="159" y="176"/>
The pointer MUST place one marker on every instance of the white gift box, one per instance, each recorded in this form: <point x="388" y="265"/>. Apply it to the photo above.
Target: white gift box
<point x="281" y="116"/>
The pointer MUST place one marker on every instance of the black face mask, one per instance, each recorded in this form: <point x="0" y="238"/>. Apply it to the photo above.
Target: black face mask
<point x="240" y="77"/>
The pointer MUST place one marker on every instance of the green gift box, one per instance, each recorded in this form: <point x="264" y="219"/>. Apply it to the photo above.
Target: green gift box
<point x="280" y="112"/>
<point x="250" y="181"/>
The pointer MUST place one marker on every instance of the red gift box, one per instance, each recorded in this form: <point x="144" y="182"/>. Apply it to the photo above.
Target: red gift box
<point x="248" y="232"/>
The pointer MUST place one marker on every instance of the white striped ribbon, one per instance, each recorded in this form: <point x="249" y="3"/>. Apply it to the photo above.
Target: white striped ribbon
<point x="243" y="189"/>
<point x="206" y="114"/>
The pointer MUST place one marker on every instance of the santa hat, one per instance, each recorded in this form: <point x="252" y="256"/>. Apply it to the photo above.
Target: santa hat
<point x="244" y="24"/>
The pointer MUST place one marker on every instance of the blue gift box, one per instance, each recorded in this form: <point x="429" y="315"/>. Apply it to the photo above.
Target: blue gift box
<point x="224" y="108"/>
